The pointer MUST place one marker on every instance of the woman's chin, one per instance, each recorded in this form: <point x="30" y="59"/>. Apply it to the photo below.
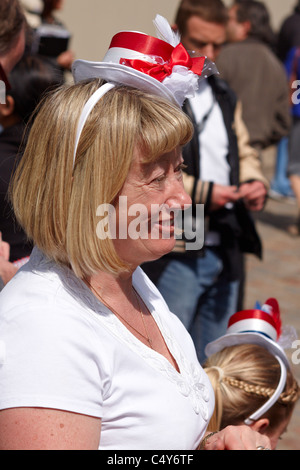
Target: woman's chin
<point x="160" y="247"/>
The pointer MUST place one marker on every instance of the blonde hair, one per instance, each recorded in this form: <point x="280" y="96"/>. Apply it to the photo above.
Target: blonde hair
<point x="56" y="204"/>
<point x="243" y="378"/>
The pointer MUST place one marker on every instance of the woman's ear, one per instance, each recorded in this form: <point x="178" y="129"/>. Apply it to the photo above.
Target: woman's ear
<point x="260" y="425"/>
<point x="7" y="109"/>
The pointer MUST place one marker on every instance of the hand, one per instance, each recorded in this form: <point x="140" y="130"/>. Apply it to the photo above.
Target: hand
<point x="254" y="195"/>
<point x="237" y="438"/>
<point x="7" y="270"/>
<point x="222" y="195"/>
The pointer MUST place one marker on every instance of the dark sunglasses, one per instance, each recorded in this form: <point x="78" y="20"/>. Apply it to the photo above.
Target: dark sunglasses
<point x="4" y="78"/>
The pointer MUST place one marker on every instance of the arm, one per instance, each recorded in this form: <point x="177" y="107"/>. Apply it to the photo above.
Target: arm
<point x="47" y="429"/>
<point x="254" y="186"/>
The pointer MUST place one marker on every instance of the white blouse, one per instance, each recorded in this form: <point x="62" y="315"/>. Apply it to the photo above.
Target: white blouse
<point x="61" y="348"/>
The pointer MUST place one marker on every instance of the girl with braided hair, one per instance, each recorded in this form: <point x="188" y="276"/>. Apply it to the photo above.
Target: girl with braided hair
<point x="251" y="376"/>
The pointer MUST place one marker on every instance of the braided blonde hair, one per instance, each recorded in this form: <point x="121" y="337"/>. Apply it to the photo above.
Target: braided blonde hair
<point x="244" y="377"/>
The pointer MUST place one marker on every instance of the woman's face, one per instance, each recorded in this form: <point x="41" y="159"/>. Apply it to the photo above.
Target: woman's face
<point x="147" y="206"/>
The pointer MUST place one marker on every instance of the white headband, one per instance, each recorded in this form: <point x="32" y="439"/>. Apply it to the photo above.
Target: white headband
<point x="92" y="101"/>
<point x="273" y="399"/>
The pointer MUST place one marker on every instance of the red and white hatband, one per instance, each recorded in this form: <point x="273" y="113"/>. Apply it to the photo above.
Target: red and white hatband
<point x="253" y="321"/>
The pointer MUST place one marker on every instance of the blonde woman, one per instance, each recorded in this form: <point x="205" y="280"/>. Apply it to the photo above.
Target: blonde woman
<point x="92" y="358"/>
<point x="251" y="377"/>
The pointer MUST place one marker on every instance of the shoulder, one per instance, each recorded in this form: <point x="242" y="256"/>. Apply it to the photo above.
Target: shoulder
<point x="230" y="55"/>
<point x="39" y="303"/>
<point x="246" y="51"/>
<point x="47" y="336"/>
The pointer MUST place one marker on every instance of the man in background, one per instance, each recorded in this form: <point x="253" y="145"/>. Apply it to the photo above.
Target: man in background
<point x="251" y="68"/>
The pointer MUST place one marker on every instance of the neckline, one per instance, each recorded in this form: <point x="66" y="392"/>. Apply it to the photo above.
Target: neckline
<point x="127" y="337"/>
<point x="78" y="289"/>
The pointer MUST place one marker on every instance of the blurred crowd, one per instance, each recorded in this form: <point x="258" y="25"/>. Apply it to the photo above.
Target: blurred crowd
<point x="34" y="58"/>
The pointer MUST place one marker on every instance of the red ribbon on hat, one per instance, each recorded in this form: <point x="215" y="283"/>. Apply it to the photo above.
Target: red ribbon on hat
<point x="139" y="42"/>
<point x="179" y="56"/>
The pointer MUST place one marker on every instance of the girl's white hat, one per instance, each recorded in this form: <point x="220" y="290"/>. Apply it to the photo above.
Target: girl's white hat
<point x="261" y="326"/>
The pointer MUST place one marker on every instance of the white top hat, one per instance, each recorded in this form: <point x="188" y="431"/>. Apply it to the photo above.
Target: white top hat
<point x="161" y="66"/>
<point x="261" y="326"/>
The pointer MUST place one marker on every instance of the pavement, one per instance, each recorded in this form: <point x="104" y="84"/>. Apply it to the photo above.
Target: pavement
<point x="278" y="275"/>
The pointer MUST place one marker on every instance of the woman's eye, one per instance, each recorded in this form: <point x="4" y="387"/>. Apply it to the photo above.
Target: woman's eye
<point x="180" y="169"/>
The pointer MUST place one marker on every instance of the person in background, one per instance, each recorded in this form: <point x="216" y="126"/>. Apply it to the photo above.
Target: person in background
<point x="203" y="287"/>
<point x="49" y="38"/>
<point x="251" y="374"/>
<point x="289" y="33"/>
<point x="250" y="67"/>
<point x="48" y="17"/>
<point x="288" y="38"/>
<point x="13" y="27"/>
<point x="12" y="36"/>
<point x="30" y="79"/>
<point x="264" y="91"/>
<point x="293" y="166"/>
